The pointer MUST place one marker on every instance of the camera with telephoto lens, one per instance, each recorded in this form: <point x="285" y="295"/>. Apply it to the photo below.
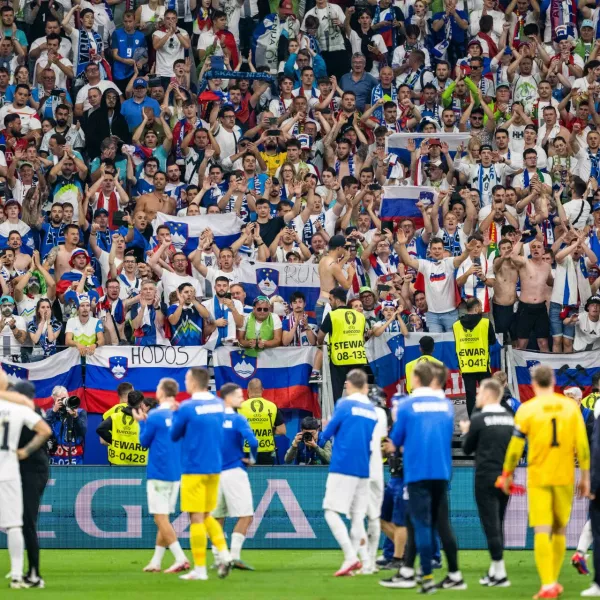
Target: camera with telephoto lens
<point x="307" y="436"/>
<point x="70" y="403"/>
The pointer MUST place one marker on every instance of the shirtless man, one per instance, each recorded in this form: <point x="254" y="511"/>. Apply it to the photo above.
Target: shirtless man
<point x="505" y="288"/>
<point x="156" y="200"/>
<point x="535" y="274"/>
<point x="22" y="260"/>
<point x="331" y="274"/>
<point x="343" y="161"/>
<point x="64" y="251"/>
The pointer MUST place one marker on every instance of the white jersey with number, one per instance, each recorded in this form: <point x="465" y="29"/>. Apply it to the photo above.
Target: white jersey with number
<point x="12" y="419"/>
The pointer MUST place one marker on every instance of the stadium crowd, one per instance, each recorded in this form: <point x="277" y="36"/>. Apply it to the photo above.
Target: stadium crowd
<point x="279" y="112"/>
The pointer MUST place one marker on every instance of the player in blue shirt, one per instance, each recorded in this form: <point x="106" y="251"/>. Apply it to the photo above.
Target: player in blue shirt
<point x="163" y="474"/>
<point x="347" y="489"/>
<point x="199" y="424"/>
<point x="127" y="44"/>
<point x="424" y="427"/>
<point x="235" y="494"/>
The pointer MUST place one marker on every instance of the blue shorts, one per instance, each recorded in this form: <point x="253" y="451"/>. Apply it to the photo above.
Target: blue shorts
<point x="393" y="509"/>
<point x="557" y="326"/>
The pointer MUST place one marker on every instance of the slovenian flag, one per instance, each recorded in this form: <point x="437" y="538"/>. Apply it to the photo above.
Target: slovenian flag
<point x="389" y="354"/>
<point x="185" y="231"/>
<point x="142" y="366"/>
<point x="63" y="368"/>
<point x="576" y="369"/>
<point x="280" y="279"/>
<point x="400" y="202"/>
<point x="283" y="372"/>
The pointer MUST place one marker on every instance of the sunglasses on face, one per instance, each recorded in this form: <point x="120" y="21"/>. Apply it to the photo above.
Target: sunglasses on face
<point x="265" y="310"/>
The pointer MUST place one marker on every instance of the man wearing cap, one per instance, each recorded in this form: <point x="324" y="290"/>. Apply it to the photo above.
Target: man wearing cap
<point x="134" y="108"/>
<point x="20" y="184"/>
<point x="346" y="329"/>
<point x="587" y="326"/>
<point x="585" y="43"/>
<point x="80" y="268"/>
<point x="371" y="307"/>
<point x="84" y="332"/>
<point x="13" y="329"/>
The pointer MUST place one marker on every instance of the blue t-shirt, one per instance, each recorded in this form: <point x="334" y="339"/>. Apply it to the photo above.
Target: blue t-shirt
<point x="47" y="346"/>
<point x="164" y="455"/>
<point x="199" y="425"/>
<point x="236" y="431"/>
<point x="133" y="111"/>
<point x="456" y="33"/>
<point x="125" y="44"/>
<point x="424" y="426"/>
<point x="50" y="237"/>
<point x="188" y="330"/>
<point x="351" y="426"/>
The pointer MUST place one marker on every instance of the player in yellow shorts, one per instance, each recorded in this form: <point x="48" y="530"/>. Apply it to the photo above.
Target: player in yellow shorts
<point x="555" y="432"/>
<point x="199" y="424"/>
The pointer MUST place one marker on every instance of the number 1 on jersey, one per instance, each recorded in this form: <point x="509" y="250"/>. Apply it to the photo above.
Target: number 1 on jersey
<point x="554" y="443"/>
<point x="4" y="446"/>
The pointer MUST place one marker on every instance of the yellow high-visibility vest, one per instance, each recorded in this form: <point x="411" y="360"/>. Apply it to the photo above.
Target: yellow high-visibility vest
<point x="347" y="337"/>
<point x="261" y="415"/>
<point x="126" y="448"/>
<point x="472" y="347"/>
<point x="410" y="367"/>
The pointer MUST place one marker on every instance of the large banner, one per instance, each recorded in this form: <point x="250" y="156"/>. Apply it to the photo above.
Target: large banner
<point x="63" y="369"/>
<point x="280" y="279"/>
<point x="284" y="373"/>
<point x="575" y="369"/>
<point x="389" y="354"/>
<point x="142" y="366"/>
<point x="106" y="507"/>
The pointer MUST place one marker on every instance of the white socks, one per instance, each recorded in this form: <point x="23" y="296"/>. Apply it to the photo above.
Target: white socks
<point x="340" y="533"/>
<point x="16" y="548"/>
<point x="499" y="569"/>
<point x="585" y="539"/>
<point x="373" y="535"/>
<point x="175" y="548"/>
<point x="159" y="552"/>
<point x="357" y="531"/>
<point x="237" y="541"/>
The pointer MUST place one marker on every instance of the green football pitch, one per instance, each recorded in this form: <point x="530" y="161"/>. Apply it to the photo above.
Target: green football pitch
<point x="280" y="574"/>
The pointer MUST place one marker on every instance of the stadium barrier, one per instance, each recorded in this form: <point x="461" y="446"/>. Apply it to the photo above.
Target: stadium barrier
<point x="106" y="507"/>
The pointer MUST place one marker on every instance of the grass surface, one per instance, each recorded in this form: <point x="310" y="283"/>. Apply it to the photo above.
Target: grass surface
<point x="280" y="574"/>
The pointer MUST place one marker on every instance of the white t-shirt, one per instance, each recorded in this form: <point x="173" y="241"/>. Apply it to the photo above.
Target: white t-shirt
<point x="64" y="49"/>
<point x="12" y="419"/>
<point x="8" y="342"/>
<point x="169" y="53"/>
<point x="330" y="37"/>
<point x="84" y="334"/>
<point x="29" y="118"/>
<point x="376" y="40"/>
<point x="213" y="273"/>
<point x="228" y="140"/>
<point x="231" y="335"/>
<point x="439" y="284"/>
<point x="82" y="95"/>
<point x="276" y="324"/>
<point x="105" y="267"/>
<point x="103" y="24"/>
<point x="61" y="78"/>
<point x="171" y="281"/>
<point x="586" y="332"/>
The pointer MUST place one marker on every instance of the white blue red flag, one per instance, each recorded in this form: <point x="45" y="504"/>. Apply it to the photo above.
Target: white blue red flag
<point x="400" y="202"/>
<point x="142" y="366"/>
<point x="283" y="372"/>
<point x="63" y="368"/>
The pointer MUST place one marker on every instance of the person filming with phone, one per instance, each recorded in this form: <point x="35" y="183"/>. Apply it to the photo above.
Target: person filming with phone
<point x="69" y="425"/>
<point x="308" y="446"/>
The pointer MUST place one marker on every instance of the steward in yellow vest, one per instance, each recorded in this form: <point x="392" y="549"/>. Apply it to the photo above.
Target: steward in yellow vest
<point x="473" y="336"/>
<point x="265" y="421"/>
<point x="121" y="432"/>
<point x="426" y="345"/>
<point x="346" y="329"/>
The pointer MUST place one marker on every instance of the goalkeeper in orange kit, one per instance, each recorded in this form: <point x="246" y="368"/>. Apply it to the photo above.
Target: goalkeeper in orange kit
<point x="555" y="432"/>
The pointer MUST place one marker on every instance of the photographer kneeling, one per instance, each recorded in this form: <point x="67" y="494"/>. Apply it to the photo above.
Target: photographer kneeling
<point x="308" y="447"/>
<point x="69" y="426"/>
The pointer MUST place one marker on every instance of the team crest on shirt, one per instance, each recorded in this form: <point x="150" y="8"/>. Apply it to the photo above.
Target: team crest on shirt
<point x="179" y="233"/>
<point x="118" y="365"/>
<point x="14" y="372"/>
<point x="396" y="345"/>
<point x="267" y="281"/>
<point x="244" y="366"/>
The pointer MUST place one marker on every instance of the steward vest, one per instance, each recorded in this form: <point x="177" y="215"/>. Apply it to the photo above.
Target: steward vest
<point x="261" y="415"/>
<point x="590" y="401"/>
<point x="410" y="367"/>
<point x="114" y="409"/>
<point x="472" y="347"/>
<point x="126" y="448"/>
<point x="347" y="337"/>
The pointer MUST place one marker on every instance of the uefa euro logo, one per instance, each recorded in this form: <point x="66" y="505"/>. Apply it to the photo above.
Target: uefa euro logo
<point x="118" y="366"/>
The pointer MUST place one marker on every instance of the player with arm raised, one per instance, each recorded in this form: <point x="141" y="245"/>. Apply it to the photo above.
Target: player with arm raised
<point x="235" y="494"/>
<point x="163" y="474"/>
<point x="555" y="433"/>
<point x="13" y="417"/>
<point x="199" y="425"/>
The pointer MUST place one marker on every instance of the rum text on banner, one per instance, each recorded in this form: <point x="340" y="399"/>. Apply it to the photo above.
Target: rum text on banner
<point x="283" y="372"/>
<point x="63" y="368"/>
<point x="142" y="366"/>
